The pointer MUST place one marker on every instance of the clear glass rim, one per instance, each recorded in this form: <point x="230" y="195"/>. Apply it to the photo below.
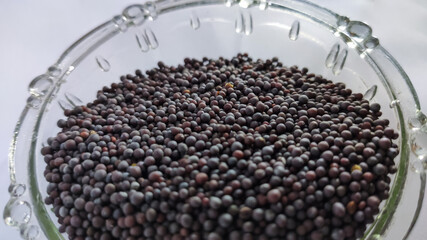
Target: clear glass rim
<point x="69" y="60"/>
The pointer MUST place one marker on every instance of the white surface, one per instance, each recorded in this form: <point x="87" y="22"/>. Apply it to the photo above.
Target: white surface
<point x="34" y="34"/>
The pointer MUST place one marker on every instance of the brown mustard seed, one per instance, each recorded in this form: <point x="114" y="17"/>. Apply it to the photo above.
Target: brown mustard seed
<point x="220" y="149"/>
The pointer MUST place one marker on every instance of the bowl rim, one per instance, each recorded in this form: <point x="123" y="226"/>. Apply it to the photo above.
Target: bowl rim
<point x="43" y="87"/>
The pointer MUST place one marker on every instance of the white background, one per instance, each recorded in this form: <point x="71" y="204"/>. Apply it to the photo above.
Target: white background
<point x="34" y="34"/>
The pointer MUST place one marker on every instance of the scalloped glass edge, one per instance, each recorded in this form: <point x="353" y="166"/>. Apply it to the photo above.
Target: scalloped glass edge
<point x="382" y="62"/>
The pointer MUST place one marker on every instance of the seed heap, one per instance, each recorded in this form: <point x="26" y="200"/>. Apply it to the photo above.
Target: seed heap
<point x="220" y="149"/>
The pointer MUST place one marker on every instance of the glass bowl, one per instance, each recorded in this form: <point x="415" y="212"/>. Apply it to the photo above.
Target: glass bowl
<point x="298" y="32"/>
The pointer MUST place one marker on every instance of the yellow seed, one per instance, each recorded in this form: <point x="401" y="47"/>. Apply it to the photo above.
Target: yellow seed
<point x="356" y="167"/>
<point x="229" y="85"/>
<point x="187" y="91"/>
<point x="133" y="164"/>
<point x="351" y="207"/>
<point x="92" y="132"/>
